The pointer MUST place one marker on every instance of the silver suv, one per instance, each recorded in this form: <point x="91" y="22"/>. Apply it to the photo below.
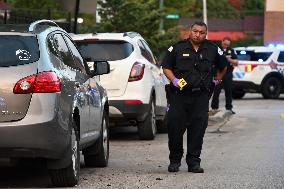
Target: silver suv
<point x="51" y="105"/>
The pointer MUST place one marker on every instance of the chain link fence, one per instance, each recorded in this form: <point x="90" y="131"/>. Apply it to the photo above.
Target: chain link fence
<point x="27" y="16"/>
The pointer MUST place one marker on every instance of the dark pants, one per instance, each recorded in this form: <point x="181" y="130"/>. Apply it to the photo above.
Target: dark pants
<point x="187" y="112"/>
<point x="227" y="85"/>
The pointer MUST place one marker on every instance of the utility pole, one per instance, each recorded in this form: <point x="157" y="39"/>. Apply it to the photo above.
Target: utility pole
<point x="76" y="15"/>
<point x="161" y="27"/>
<point x="205" y="13"/>
<point x="5" y="13"/>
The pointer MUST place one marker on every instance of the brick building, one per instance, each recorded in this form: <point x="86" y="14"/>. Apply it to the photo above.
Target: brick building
<point x="273" y="22"/>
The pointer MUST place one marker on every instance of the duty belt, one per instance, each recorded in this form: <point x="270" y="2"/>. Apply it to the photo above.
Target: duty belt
<point x="188" y="90"/>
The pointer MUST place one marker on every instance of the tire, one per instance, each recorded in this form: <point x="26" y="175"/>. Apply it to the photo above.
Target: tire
<point x="238" y="94"/>
<point x="69" y="176"/>
<point x="271" y="88"/>
<point x="162" y="126"/>
<point x="97" y="155"/>
<point x="148" y="129"/>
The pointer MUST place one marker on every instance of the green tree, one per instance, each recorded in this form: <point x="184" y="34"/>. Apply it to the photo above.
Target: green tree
<point x="34" y="4"/>
<point x="37" y="9"/>
<point x="180" y="7"/>
<point x="252" y="7"/>
<point x="142" y="16"/>
<point x="194" y="8"/>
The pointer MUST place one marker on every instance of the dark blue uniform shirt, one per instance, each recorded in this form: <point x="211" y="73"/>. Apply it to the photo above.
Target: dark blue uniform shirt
<point x="196" y="67"/>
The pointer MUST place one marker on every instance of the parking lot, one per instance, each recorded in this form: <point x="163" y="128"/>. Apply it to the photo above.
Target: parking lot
<point x="247" y="152"/>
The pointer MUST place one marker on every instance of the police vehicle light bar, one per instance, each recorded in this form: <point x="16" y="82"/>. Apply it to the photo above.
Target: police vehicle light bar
<point x="243" y="52"/>
<point x="278" y="46"/>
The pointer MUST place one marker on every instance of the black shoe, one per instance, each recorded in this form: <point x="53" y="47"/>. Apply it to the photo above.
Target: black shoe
<point x="195" y="169"/>
<point x="174" y="167"/>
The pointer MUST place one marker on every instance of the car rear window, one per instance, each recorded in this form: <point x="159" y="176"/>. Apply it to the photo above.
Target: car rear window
<point x="281" y="57"/>
<point x="252" y="55"/>
<point x="105" y="50"/>
<point x="17" y="50"/>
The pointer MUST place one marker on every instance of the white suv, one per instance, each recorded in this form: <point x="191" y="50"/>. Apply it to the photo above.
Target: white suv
<point x="136" y="83"/>
<point x="261" y="70"/>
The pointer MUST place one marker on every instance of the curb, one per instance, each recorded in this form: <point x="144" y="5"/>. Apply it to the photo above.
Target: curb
<point x="219" y="119"/>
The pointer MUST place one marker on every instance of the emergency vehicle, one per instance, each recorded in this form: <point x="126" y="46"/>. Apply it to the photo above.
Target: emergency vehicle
<point x="260" y="70"/>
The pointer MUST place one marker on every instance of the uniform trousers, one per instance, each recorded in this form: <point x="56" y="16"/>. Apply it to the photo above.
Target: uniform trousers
<point x="187" y="112"/>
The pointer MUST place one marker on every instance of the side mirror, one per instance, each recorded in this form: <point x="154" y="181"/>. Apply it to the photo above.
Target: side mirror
<point x="99" y="68"/>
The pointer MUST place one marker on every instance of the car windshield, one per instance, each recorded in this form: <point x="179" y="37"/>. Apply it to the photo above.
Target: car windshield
<point x="105" y="50"/>
<point x="252" y="55"/>
<point x="17" y="50"/>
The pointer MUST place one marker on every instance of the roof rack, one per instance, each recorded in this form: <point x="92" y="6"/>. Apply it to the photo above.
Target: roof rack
<point x="131" y="34"/>
<point x="33" y="25"/>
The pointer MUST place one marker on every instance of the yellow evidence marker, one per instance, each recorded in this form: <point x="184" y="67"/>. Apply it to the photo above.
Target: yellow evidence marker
<point x="282" y="116"/>
<point x="181" y="83"/>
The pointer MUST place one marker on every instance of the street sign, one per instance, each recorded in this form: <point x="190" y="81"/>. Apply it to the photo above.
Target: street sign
<point x="172" y="16"/>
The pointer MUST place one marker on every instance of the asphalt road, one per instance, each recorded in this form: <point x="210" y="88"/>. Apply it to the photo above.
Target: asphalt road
<point x="246" y="152"/>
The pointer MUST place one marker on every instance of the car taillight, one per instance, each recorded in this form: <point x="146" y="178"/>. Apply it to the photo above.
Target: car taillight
<point x="136" y="72"/>
<point x="45" y="82"/>
<point x="25" y="85"/>
<point x="132" y="102"/>
<point x="250" y="67"/>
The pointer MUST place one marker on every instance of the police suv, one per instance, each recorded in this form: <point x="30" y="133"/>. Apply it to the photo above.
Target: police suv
<point x="260" y="70"/>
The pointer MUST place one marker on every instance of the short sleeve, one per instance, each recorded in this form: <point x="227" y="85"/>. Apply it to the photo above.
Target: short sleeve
<point x="220" y="60"/>
<point x="170" y="59"/>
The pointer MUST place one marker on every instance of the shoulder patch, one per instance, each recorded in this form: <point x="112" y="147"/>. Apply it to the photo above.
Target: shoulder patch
<point x="170" y="49"/>
<point x="220" y="52"/>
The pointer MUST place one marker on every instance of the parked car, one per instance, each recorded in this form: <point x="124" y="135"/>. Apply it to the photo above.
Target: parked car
<point x="136" y="83"/>
<point x="260" y="70"/>
<point x="51" y="105"/>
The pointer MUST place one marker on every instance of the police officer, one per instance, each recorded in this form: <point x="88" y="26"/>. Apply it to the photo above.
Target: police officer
<point x="189" y="66"/>
<point x="227" y="79"/>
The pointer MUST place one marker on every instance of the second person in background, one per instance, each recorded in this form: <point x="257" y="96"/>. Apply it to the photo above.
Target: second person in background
<point x="228" y="77"/>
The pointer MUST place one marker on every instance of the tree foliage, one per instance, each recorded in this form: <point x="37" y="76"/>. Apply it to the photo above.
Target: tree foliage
<point x="194" y="8"/>
<point x="34" y="4"/>
<point x="252" y="7"/>
<point x="215" y="9"/>
<point x="142" y="16"/>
